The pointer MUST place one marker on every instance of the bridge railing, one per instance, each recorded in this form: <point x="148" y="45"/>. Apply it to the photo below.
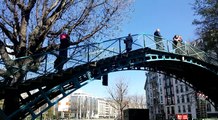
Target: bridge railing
<point x="186" y="48"/>
<point x="95" y="51"/>
<point x="85" y="53"/>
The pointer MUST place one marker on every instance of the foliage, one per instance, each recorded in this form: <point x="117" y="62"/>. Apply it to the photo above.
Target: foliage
<point x="26" y="26"/>
<point x="207" y="23"/>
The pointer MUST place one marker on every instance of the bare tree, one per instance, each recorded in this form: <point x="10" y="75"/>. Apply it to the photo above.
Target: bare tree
<point x="118" y="96"/>
<point x="26" y="25"/>
<point x="137" y="101"/>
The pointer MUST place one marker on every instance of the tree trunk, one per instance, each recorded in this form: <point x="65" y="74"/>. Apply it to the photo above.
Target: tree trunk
<point x="121" y="114"/>
<point x="11" y="102"/>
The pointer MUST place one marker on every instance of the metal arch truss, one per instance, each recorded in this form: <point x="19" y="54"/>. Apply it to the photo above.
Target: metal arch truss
<point x="142" y="59"/>
<point x="83" y="68"/>
<point x="45" y="95"/>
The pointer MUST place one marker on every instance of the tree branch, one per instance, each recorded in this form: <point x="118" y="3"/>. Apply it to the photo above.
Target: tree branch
<point x="9" y="23"/>
<point x="8" y="33"/>
<point x="30" y="5"/>
<point x="84" y="15"/>
<point x="24" y="23"/>
<point x="5" y="57"/>
<point x="47" y="11"/>
<point x="9" y="6"/>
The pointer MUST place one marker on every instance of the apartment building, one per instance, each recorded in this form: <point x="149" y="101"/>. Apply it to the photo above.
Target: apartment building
<point x="85" y="106"/>
<point x="168" y="97"/>
<point x="154" y="88"/>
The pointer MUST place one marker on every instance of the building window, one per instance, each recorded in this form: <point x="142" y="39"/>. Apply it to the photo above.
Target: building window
<point x="172" y="110"/>
<point x="168" y="101"/>
<point x="188" y="100"/>
<point x="181" y="88"/>
<point x="183" y="99"/>
<point x="186" y="88"/>
<point x="173" y="102"/>
<point x="184" y="110"/>
<point x="168" y="82"/>
<point x="168" y="91"/>
<point x="178" y="99"/>
<point x="172" y="92"/>
<point x="168" y="110"/>
<point x="179" y="109"/>
<point x="177" y="90"/>
<point x="189" y="108"/>
<point x="176" y="81"/>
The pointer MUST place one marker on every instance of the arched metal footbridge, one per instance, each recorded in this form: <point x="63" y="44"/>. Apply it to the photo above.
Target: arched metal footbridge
<point x="89" y="62"/>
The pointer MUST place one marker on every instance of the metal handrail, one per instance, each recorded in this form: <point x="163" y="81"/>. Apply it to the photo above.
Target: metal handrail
<point x="82" y="54"/>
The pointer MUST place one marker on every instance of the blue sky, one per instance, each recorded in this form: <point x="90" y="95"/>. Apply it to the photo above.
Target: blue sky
<point x="170" y="16"/>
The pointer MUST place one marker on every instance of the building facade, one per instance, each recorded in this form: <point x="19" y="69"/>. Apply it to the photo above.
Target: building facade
<point x="85" y="106"/>
<point x="155" y="95"/>
<point x="168" y="97"/>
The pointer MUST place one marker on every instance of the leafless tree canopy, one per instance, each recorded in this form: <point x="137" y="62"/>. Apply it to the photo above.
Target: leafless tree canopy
<point x="137" y="101"/>
<point x="118" y="96"/>
<point x="25" y="26"/>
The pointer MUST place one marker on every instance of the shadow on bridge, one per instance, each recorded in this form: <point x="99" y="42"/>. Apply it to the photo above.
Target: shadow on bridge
<point x="191" y="66"/>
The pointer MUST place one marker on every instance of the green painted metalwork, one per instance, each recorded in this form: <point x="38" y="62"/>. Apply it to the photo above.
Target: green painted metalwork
<point x="45" y="94"/>
<point x="89" y="61"/>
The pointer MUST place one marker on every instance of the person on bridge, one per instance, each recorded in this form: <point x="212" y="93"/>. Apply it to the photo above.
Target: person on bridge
<point x="177" y="44"/>
<point x="62" y="57"/>
<point x="128" y="41"/>
<point x="158" y="40"/>
<point x="175" y="41"/>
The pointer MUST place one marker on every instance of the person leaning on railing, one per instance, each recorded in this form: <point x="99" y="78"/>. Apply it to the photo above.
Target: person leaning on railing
<point x="177" y="44"/>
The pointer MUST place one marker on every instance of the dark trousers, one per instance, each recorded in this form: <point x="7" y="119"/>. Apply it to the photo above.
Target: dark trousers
<point x="128" y="47"/>
<point x="61" y="60"/>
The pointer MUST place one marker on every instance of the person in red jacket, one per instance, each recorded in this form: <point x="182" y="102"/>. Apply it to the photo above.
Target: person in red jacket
<point x="62" y="57"/>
